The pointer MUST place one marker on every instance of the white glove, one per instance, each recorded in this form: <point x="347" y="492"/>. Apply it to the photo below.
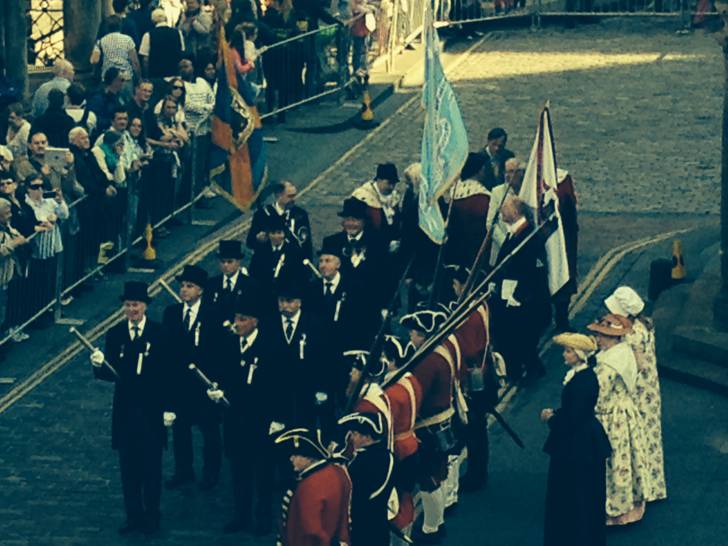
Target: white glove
<point x="215" y="395"/>
<point x="393" y="246"/>
<point x="321" y="397"/>
<point x="513" y="302"/>
<point x="169" y="418"/>
<point x="97" y="358"/>
<point x="275" y="427"/>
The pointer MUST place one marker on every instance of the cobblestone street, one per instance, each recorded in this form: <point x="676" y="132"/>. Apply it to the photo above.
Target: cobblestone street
<point x="636" y="112"/>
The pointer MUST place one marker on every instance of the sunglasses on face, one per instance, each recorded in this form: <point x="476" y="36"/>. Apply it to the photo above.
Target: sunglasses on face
<point x="178" y="87"/>
<point x="36" y="187"/>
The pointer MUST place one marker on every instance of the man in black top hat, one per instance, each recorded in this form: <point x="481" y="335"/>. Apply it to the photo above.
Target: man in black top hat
<point x="298" y="227"/>
<point x="192" y="328"/>
<point x="233" y="282"/>
<point x="277" y="257"/>
<point x="135" y="348"/>
<point x="341" y="305"/>
<point x="362" y="251"/>
<point x="383" y="204"/>
<point x="298" y="346"/>
<point x="371" y="470"/>
<point x="248" y="377"/>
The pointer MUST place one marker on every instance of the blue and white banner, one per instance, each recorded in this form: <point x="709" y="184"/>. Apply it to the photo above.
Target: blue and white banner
<point x="444" y="141"/>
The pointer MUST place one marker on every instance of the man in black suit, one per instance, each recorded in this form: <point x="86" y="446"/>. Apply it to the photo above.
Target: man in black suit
<point x="135" y="348"/>
<point x="521" y="303"/>
<point x="496" y="154"/>
<point x="277" y="257"/>
<point x="298" y="346"/>
<point x="192" y="329"/>
<point x="248" y="377"/>
<point x="233" y="282"/>
<point x="363" y="253"/>
<point x="298" y="227"/>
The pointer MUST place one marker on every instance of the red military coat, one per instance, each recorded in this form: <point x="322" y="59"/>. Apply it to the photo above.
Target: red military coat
<point x="318" y="513"/>
<point x="467" y="226"/>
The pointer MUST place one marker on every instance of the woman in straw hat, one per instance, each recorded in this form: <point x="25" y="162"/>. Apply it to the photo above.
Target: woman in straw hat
<point x="627" y="303"/>
<point x="578" y="447"/>
<point x="616" y="371"/>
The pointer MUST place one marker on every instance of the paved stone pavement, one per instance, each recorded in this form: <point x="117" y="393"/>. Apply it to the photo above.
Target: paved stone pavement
<point x="635" y="119"/>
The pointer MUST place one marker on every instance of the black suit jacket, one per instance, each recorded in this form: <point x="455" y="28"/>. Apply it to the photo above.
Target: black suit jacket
<point x="575" y="433"/>
<point x="225" y="300"/>
<point x="297" y="222"/>
<point x="527" y="267"/>
<point x="265" y="261"/>
<point x="140" y="396"/>
<point x="198" y="345"/>
<point x="495" y="167"/>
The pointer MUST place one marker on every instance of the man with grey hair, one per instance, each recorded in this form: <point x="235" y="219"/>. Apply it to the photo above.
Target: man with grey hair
<point x="63" y="73"/>
<point x="515" y="168"/>
<point x="161" y="48"/>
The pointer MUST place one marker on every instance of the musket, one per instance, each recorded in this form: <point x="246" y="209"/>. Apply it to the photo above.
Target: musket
<point x="209" y="384"/>
<point x="86" y="343"/>
<point x="376" y="345"/>
<point x="512" y="433"/>
<point x="463" y="310"/>
<point x="171" y="292"/>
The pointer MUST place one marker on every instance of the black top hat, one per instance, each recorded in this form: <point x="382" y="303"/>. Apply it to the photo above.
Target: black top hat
<point x="387" y="171"/>
<point x="135" y="291"/>
<point x="425" y="321"/>
<point x="230" y="249"/>
<point x="194" y="274"/>
<point x="370" y="424"/>
<point x="305" y="442"/>
<point x="329" y="246"/>
<point x="287" y="287"/>
<point x="473" y="164"/>
<point x="249" y="306"/>
<point x="353" y="208"/>
<point x="275" y="222"/>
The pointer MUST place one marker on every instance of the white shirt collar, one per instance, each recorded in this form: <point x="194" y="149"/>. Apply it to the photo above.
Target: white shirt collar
<point x="233" y="279"/>
<point x="294" y="320"/>
<point x="249" y="339"/>
<point x="573" y="371"/>
<point x="515" y="226"/>
<point x="280" y="210"/>
<point x="334" y="282"/>
<point x="141" y="324"/>
<point x="356" y="237"/>
<point x="194" y="309"/>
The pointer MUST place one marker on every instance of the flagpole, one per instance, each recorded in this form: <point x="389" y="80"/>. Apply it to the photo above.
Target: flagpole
<point x="438" y="262"/>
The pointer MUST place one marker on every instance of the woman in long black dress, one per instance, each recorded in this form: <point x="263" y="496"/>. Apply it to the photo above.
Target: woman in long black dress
<point x="578" y="447"/>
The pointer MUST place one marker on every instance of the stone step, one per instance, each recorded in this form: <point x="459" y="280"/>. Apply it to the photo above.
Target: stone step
<point x="698" y="373"/>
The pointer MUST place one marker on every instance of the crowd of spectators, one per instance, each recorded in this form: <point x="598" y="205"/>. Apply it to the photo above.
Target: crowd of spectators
<point x="88" y="162"/>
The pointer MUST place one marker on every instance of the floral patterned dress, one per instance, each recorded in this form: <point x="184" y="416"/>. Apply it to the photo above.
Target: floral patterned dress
<point x="616" y="410"/>
<point x="649" y="403"/>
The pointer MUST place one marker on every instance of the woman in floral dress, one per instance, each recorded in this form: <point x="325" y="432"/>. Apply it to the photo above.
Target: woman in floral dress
<point x="616" y="371"/>
<point x="627" y="303"/>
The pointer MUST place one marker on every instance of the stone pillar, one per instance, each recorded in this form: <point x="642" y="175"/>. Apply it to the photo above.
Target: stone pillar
<point x="15" y="40"/>
<point x="81" y="20"/>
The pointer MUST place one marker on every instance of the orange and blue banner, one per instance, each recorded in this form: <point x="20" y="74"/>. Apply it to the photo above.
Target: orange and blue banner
<point x="237" y="157"/>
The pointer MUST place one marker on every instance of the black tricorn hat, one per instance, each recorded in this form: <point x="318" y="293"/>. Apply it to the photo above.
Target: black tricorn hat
<point x="248" y="306"/>
<point x="329" y="246"/>
<point x="387" y="171"/>
<point x="353" y="208"/>
<point x="230" y="249"/>
<point x="305" y="442"/>
<point x="370" y="424"/>
<point x="135" y="291"/>
<point x="194" y="274"/>
<point x="425" y="321"/>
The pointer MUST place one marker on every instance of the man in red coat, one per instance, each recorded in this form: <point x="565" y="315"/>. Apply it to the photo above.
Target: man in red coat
<point x="316" y="513"/>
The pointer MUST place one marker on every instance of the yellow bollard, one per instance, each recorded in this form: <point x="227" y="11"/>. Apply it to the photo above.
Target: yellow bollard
<point x="149" y="253"/>
<point x="678" y="264"/>
<point x="367" y="114"/>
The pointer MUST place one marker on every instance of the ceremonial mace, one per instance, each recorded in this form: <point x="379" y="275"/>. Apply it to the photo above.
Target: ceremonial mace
<point x="209" y="384"/>
<point x="86" y="343"/>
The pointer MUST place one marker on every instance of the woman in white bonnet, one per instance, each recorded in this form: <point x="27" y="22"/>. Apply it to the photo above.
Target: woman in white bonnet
<point x="627" y="303"/>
